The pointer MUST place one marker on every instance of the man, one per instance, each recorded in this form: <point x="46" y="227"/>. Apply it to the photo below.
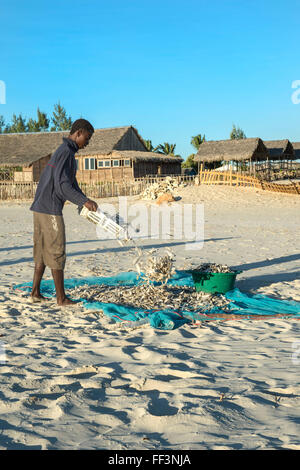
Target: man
<point x="57" y="185"/>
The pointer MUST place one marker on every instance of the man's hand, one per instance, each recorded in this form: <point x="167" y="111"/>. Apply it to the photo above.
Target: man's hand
<point x="91" y="205"/>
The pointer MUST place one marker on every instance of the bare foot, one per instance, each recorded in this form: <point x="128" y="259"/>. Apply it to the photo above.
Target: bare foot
<point x="66" y="301"/>
<point x="38" y="297"/>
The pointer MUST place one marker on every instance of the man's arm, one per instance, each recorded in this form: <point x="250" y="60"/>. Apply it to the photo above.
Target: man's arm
<point x="90" y="205"/>
<point x="77" y="187"/>
<point x="66" y="187"/>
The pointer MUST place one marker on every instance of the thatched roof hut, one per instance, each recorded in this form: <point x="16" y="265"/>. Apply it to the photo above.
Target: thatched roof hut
<point x="296" y="147"/>
<point x="24" y="149"/>
<point x="280" y="149"/>
<point x="232" y="150"/>
<point x="114" y="153"/>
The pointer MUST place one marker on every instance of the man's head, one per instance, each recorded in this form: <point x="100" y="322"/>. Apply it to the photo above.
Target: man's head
<point x="81" y="132"/>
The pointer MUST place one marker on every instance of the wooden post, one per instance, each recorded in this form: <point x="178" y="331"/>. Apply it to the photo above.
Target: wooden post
<point x="201" y="170"/>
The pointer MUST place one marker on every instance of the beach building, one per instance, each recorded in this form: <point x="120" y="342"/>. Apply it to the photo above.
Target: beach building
<point x="268" y="160"/>
<point x="280" y="150"/>
<point x="280" y="161"/>
<point x="237" y="154"/>
<point x="113" y="154"/>
<point x="296" y="147"/>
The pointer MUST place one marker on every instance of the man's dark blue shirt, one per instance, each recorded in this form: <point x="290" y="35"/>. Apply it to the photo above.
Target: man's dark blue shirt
<point x="58" y="181"/>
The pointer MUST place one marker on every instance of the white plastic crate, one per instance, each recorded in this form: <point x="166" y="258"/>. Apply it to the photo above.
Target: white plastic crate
<point x="109" y="225"/>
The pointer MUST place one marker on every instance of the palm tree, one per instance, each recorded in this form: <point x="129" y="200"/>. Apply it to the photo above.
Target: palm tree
<point x="197" y="140"/>
<point x="166" y="148"/>
<point x="149" y="146"/>
<point x="190" y="163"/>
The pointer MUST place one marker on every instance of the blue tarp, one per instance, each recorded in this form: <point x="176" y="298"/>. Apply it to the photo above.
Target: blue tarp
<point x="240" y="303"/>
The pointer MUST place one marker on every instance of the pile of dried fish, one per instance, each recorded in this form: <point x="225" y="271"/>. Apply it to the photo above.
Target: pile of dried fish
<point x="168" y="185"/>
<point x="213" y="268"/>
<point x="155" y="268"/>
<point x="147" y="297"/>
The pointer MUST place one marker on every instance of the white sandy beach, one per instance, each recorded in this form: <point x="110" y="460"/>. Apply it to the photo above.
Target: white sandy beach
<point x="71" y="380"/>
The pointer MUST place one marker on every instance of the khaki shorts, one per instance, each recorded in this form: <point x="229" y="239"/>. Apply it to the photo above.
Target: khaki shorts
<point x="49" y="240"/>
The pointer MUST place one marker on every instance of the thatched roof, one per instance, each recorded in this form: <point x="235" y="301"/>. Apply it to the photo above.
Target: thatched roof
<point x="24" y="149"/>
<point x="296" y="147"/>
<point x="280" y="149"/>
<point x="105" y="141"/>
<point x="232" y="149"/>
<point x="145" y="156"/>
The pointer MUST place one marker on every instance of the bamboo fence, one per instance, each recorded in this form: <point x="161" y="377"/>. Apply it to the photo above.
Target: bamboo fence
<point x="230" y="178"/>
<point x="26" y="191"/>
<point x="10" y="190"/>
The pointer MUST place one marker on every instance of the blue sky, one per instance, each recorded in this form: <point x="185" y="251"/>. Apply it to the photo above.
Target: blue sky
<point x="171" y="68"/>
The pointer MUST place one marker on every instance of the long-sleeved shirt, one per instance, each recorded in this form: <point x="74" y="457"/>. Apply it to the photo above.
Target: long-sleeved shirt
<point x="58" y="181"/>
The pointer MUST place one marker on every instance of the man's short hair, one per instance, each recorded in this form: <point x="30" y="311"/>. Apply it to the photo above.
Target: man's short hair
<point x="81" y="124"/>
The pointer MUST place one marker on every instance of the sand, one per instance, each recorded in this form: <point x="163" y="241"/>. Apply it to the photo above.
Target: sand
<point x="71" y="380"/>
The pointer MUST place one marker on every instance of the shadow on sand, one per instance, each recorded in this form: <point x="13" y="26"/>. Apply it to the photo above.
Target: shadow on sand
<point x="114" y="249"/>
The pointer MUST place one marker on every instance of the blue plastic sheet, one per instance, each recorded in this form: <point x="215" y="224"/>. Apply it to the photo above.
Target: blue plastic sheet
<point x="240" y="303"/>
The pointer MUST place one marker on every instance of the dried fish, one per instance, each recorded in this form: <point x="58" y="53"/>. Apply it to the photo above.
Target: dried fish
<point x="147" y="297"/>
<point x="136" y="260"/>
<point x="153" y="292"/>
<point x="138" y="268"/>
<point x="158" y="268"/>
<point x="213" y="268"/>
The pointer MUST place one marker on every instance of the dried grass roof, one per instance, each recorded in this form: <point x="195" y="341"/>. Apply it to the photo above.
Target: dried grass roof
<point x="280" y="149"/>
<point x="24" y="149"/>
<point x="232" y="150"/>
<point x="296" y="147"/>
<point x="145" y="156"/>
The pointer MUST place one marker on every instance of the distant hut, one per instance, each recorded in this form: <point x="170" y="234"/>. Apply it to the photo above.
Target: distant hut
<point x="281" y="157"/>
<point x="248" y="152"/>
<point x="28" y="153"/>
<point x="280" y="150"/>
<point x="296" y="147"/>
<point x="112" y="154"/>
